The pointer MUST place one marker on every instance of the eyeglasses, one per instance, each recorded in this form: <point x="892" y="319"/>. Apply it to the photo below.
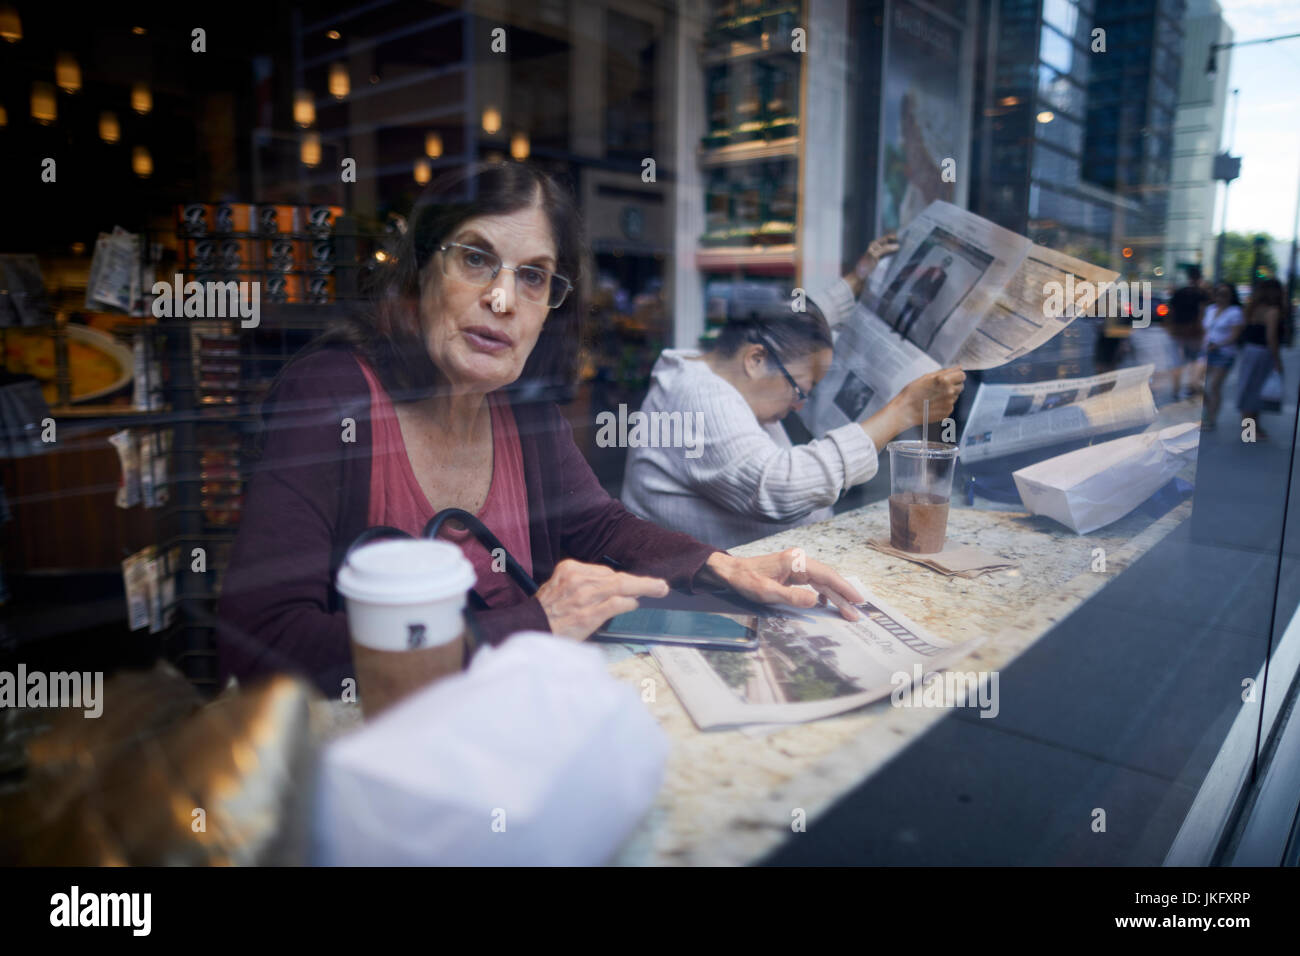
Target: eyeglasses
<point x="800" y="394"/>
<point x="478" y="267"/>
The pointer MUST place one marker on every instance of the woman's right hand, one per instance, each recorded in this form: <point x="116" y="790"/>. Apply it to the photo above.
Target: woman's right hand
<point x="939" y="388"/>
<point x="578" y="598"/>
<point x="907" y="408"/>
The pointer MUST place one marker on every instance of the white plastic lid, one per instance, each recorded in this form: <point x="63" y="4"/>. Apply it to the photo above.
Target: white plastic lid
<point x="920" y="449"/>
<point x="405" y="571"/>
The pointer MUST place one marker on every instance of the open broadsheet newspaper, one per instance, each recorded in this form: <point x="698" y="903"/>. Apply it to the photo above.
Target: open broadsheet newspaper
<point x="809" y="664"/>
<point x="959" y="291"/>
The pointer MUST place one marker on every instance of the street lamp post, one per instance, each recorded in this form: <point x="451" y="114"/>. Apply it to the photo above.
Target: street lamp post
<point x="1211" y="67"/>
<point x="1226" y="168"/>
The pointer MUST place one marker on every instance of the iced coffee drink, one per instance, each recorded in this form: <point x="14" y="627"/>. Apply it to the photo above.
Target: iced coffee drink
<point x="920" y="489"/>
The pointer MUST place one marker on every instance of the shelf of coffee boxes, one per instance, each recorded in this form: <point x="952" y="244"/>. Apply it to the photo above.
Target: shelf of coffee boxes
<point x="739" y="51"/>
<point x="756" y="150"/>
<point x="746" y="18"/>
<point x="774" y="259"/>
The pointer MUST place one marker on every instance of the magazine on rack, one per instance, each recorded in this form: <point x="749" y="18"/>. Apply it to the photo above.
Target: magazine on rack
<point x="959" y="291"/>
<point x="809" y="664"/>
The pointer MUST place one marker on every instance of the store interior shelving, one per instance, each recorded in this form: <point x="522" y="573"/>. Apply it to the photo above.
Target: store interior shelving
<point x="749" y="158"/>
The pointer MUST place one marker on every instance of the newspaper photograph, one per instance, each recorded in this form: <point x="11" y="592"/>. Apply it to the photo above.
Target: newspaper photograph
<point x="809" y="664"/>
<point x="943" y="278"/>
<point x="966" y="291"/>
<point x="854" y="390"/>
<point x="960" y="291"/>
<point x="1004" y="419"/>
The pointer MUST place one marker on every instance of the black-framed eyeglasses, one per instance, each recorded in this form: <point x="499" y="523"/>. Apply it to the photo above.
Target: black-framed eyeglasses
<point x="478" y="267"/>
<point x="800" y="394"/>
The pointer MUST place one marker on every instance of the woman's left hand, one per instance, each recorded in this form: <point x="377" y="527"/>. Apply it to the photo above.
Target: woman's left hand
<point x="771" y="579"/>
<point x="879" y="249"/>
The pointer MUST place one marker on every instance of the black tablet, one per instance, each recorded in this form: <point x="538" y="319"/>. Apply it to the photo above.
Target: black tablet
<point x="654" y="625"/>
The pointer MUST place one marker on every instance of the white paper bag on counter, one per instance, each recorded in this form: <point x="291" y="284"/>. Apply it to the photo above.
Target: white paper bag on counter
<point x="1089" y="488"/>
<point x="534" y="756"/>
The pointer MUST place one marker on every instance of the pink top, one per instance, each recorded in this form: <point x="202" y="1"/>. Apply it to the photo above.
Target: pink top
<point x="397" y="500"/>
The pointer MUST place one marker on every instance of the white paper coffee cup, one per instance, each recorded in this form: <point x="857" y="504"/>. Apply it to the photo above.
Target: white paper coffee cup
<point x="405" y="595"/>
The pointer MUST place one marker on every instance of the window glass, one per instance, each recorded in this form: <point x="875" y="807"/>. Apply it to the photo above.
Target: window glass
<point x="1055" y="50"/>
<point x="1061" y="14"/>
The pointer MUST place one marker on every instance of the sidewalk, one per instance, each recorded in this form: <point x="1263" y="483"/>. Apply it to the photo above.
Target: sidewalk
<point x="1123" y="706"/>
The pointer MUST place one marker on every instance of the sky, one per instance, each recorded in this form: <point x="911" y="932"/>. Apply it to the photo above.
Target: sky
<point x="1268" y="121"/>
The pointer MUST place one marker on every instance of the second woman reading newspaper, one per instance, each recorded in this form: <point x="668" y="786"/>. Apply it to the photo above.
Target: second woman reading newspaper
<point x="746" y="480"/>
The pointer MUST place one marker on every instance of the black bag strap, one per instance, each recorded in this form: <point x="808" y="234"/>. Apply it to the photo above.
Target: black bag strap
<point x="487" y="539"/>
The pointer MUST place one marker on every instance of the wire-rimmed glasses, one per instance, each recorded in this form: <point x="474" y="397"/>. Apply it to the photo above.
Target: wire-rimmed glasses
<point x="800" y="394"/>
<point x="478" y="267"/>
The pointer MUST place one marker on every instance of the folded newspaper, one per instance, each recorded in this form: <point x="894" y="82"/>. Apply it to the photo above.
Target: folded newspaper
<point x="960" y="291"/>
<point x="1005" y="419"/>
<point x="809" y="664"/>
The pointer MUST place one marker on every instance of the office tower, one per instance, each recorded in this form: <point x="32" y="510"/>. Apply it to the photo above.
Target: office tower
<point x="1198" y="128"/>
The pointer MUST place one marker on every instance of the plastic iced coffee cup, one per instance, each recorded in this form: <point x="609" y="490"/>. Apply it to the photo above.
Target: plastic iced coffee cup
<point x="405" y="607"/>
<point x="920" y="489"/>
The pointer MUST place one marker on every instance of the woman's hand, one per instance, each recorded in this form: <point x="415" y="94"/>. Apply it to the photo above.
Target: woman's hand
<point x="578" y="598"/>
<point x="771" y="579"/>
<point x="879" y="249"/>
<point x="941" y="388"/>
<point x="908" y="407"/>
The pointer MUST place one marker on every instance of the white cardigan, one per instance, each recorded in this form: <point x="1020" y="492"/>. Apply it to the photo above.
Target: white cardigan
<point x="739" y="480"/>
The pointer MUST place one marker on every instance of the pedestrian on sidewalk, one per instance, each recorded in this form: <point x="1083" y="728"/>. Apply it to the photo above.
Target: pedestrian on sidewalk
<point x="1222" y="323"/>
<point x="1259" y="343"/>
<point x="1186" y="310"/>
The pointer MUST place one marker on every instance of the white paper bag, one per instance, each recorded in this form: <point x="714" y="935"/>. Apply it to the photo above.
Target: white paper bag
<point x="1089" y="488"/>
<point x="534" y="756"/>
<point x="1270" y="393"/>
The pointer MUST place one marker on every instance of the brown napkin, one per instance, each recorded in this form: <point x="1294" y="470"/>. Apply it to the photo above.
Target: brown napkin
<point x="956" y="562"/>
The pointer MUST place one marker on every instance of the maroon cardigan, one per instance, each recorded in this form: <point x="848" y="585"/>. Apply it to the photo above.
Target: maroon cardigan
<point x="309" y="497"/>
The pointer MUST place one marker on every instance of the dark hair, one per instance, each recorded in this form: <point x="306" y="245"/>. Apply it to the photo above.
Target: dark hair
<point x="793" y="336"/>
<point x="1266" y="292"/>
<point x="1194" y="273"/>
<point x="1232" y="292"/>
<point x="389" y="333"/>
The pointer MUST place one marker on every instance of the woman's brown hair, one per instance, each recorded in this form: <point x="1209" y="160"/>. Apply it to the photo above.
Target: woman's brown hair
<point x="1268" y="292"/>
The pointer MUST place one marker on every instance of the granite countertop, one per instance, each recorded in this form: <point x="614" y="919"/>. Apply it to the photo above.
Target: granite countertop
<point x="729" y="797"/>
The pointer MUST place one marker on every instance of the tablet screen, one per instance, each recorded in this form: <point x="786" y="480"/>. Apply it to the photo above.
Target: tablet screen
<point x="685" y="624"/>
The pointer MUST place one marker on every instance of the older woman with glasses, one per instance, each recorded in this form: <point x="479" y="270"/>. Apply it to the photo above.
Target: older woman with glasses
<point x="439" y="397"/>
<point x="746" y="480"/>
